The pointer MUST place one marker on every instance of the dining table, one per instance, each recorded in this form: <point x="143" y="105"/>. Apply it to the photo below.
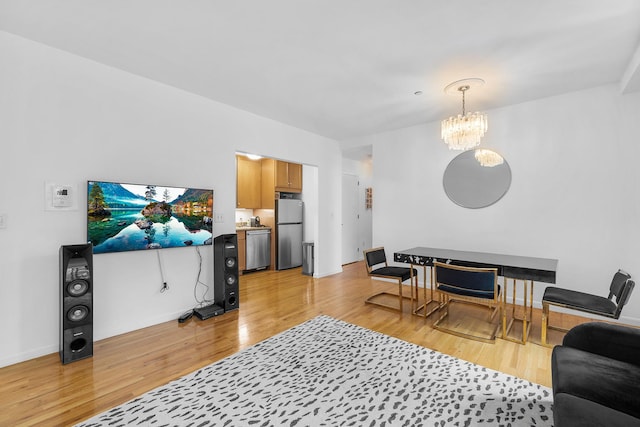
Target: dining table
<point x="514" y="268"/>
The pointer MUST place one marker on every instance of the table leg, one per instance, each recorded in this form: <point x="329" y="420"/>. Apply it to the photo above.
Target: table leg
<point x="413" y="283"/>
<point x="427" y="299"/>
<point x="524" y="314"/>
<point x="504" y="309"/>
<point x="527" y="311"/>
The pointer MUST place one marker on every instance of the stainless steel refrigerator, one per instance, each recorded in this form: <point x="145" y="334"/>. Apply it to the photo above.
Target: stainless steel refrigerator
<point x="289" y="230"/>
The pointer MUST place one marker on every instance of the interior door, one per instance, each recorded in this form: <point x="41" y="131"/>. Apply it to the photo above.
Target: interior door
<point x="350" y="249"/>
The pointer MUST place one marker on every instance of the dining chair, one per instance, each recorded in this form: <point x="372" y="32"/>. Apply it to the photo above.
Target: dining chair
<point x="377" y="266"/>
<point x="470" y="285"/>
<point x="611" y="306"/>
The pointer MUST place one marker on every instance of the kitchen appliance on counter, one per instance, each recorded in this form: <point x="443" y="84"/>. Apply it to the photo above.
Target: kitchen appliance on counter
<point x="254" y="221"/>
<point x="289" y="232"/>
<point x="258" y="249"/>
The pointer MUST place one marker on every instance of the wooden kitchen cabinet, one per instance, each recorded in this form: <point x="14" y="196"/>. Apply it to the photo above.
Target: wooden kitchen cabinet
<point x="259" y="180"/>
<point x="288" y="177"/>
<point x="279" y="176"/>
<point x="248" y="183"/>
<point x="242" y="250"/>
<point x="268" y="184"/>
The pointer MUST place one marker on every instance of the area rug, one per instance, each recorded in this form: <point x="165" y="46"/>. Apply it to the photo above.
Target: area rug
<point x="326" y="372"/>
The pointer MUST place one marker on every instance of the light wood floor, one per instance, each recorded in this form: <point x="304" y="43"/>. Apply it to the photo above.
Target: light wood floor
<point x="42" y="391"/>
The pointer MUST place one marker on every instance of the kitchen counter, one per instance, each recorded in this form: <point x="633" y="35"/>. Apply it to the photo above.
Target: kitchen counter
<point x="264" y="227"/>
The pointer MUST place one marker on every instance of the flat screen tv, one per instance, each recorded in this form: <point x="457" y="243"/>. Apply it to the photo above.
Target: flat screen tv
<point x="129" y="217"/>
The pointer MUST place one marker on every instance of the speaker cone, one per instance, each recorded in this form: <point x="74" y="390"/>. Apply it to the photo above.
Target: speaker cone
<point x="230" y="262"/>
<point x="231" y="280"/>
<point x="77" y="288"/>
<point x="77" y="313"/>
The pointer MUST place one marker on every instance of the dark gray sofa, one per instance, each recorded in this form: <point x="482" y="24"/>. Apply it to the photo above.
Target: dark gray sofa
<point x="596" y="376"/>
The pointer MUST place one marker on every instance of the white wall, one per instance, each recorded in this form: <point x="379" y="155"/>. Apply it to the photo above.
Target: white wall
<point x="310" y="198"/>
<point x="65" y="119"/>
<point x="574" y="195"/>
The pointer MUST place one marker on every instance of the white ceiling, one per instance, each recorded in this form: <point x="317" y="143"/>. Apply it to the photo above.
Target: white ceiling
<point x="348" y="68"/>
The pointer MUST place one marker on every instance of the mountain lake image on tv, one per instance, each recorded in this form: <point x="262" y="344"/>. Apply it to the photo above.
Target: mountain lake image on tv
<point x="129" y="217"/>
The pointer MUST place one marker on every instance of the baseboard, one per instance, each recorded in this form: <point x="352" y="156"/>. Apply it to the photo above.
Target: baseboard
<point x="22" y="357"/>
<point x="324" y="274"/>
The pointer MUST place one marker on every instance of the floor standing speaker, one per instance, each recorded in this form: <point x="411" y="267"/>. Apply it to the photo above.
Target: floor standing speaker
<point x="225" y="272"/>
<point x="76" y="302"/>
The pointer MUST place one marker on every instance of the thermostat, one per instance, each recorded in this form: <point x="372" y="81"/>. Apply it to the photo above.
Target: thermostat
<point x="60" y="197"/>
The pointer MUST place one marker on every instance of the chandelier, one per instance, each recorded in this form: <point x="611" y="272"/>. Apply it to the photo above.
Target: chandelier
<point x="488" y="158"/>
<point x="464" y="131"/>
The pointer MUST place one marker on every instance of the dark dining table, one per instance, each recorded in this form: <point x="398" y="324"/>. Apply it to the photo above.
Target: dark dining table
<point x="511" y="267"/>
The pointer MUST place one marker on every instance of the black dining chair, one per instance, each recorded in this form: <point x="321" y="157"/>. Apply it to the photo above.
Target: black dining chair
<point x="472" y="285"/>
<point x="377" y="266"/>
<point x="611" y="307"/>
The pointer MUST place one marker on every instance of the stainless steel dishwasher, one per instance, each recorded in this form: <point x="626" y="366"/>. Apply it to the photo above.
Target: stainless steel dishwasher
<point x="258" y="249"/>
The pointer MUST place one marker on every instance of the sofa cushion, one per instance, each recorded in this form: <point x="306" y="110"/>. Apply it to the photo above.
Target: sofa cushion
<point x="569" y="410"/>
<point x="589" y="376"/>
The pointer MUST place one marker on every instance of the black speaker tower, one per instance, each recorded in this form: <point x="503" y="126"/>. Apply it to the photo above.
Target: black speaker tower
<point x="76" y="302"/>
<point x="225" y="272"/>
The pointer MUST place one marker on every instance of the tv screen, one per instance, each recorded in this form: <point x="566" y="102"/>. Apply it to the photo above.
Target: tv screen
<point x="130" y="217"/>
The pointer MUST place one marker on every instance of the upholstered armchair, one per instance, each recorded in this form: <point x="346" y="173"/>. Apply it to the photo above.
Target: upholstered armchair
<point x="596" y="376"/>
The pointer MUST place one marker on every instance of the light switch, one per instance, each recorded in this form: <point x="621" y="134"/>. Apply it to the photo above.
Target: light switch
<point x="3" y="220"/>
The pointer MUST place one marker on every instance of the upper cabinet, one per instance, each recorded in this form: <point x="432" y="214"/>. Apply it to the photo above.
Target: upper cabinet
<point x="288" y="177"/>
<point x="268" y="184"/>
<point x="248" y="183"/>
<point x="259" y="180"/>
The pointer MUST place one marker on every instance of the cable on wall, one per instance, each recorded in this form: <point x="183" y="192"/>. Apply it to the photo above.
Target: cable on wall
<point x="204" y="300"/>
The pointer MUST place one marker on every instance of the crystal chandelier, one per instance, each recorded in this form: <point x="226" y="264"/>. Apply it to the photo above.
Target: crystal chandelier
<point x="464" y="131"/>
<point x="488" y="158"/>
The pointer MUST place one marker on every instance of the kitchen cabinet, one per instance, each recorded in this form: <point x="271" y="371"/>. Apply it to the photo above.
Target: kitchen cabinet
<point x="288" y="177"/>
<point x="242" y="250"/>
<point x="268" y="184"/>
<point x="248" y="183"/>
<point x="257" y="181"/>
<point x="279" y="176"/>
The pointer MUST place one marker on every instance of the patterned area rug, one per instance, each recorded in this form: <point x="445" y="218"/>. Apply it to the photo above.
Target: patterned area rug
<point x="326" y="372"/>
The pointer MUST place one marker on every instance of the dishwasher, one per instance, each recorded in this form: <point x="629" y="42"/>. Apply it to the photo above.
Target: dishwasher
<point x="258" y="250"/>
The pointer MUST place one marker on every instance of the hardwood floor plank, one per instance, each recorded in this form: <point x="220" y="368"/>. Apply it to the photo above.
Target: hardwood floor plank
<point x="42" y="391"/>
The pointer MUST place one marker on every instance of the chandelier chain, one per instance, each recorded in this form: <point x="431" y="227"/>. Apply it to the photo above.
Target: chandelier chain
<point x="463" y="89"/>
<point x="463" y="103"/>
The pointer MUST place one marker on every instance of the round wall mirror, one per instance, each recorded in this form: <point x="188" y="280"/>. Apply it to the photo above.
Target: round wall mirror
<point x="477" y="178"/>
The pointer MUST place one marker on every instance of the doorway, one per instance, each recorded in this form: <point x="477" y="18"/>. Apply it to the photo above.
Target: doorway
<point x="350" y="219"/>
